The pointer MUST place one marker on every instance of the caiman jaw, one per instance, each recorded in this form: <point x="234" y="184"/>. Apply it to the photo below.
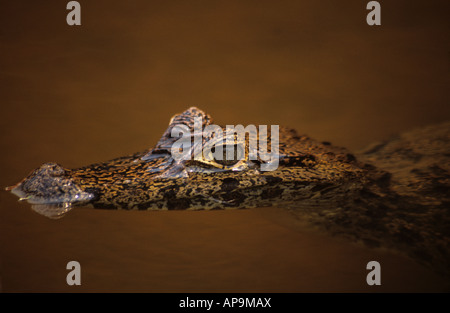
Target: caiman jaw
<point x="17" y="190"/>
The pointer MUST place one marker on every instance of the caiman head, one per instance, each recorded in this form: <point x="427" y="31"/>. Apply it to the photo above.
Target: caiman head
<point x="199" y="165"/>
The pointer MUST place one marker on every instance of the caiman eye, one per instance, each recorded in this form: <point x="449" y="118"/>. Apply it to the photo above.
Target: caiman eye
<point x="229" y="155"/>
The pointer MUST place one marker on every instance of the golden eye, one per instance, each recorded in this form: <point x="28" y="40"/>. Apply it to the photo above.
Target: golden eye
<point x="228" y="155"/>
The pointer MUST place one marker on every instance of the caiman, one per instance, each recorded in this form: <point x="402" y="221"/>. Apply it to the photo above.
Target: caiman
<point x="395" y="194"/>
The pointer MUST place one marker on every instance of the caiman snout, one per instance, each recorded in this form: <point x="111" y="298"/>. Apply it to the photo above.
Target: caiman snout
<point x="50" y="185"/>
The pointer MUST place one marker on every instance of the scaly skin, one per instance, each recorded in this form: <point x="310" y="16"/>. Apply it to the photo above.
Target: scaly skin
<point x="397" y="198"/>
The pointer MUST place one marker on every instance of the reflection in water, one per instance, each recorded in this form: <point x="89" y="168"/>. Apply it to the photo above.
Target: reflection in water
<point x="82" y="95"/>
<point x="228" y="251"/>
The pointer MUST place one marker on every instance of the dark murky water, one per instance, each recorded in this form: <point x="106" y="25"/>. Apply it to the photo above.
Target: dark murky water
<point x="78" y="95"/>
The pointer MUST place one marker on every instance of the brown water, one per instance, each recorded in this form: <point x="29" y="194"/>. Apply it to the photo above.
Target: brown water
<point x="78" y="95"/>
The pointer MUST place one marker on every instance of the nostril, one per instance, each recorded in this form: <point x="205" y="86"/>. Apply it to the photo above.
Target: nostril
<point x="58" y="172"/>
<point x="52" y="169"/>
